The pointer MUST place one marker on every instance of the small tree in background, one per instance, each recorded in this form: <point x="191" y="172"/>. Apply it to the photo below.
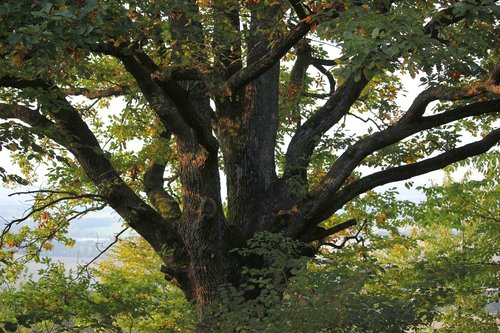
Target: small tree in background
<point x="124" y="293"/>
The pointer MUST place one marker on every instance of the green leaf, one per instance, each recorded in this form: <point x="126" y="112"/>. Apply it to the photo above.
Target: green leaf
<point x="10" y="327"/>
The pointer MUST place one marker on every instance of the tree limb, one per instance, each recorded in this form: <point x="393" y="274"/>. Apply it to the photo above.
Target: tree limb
<point x="30" y="116"/>
<point x="323" y="62"/>
<point x="306" y="138"/>
<point x="321" y="233"/>
<point x="329" y="76"/>
<point x="444" y="18"/>
<point x="85" y="147"/>
<point x="154" y="188"/>
<point x="417" y="109"/>
<point x="51" y="203"/>
<point x="251" y="72"/>
<point x="169" y="100"/>
<point x="412" y="122"/>
<point x="89" y="195"/>
<point x="298" y="76"/>
<point x="348" y="238"/>
<point x="351" y="158"/>
<point x="176" y="73"/>
<point x="227" y="38"/>
<point x="299" y="8"/>
<point x="198" y="120"/>
<point x="308" y="135"/>
<point x="313" y="95"/>
<point x="20" y="83"/>
<point x="337" y="200"/>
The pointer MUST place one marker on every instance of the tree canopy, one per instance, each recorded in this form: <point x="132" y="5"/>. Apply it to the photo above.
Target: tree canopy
<point x="142" y="105"/>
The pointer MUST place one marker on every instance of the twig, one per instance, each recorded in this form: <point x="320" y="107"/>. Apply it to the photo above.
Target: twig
<point x="117" y="238"/>
<point x="41" y="208"/>
<point x="346" y="239"/>
<point x="56" y="192"/>
<point x="366" y="120"/>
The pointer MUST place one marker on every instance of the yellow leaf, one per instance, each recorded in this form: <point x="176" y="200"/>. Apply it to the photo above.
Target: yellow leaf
<point x="48" y="246"/>
<point x="12" y="146"/>
<point x="18" y="60"/>
<point x="381" y="218"/>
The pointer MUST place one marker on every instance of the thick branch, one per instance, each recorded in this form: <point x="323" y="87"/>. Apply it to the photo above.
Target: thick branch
<point x="412" y="122"/>
<point x="321" y="233"/>
<point x="304" y="141"/>
<point x="298" y="76"/>
<point x="299" y="8"/>
<point x="177" y="73"/>
<point x="85" y="147"/>
<point x="154" y="94"/>
<point x="336" y="228"/>
<point x="227" y="37"/>
<point x="445" y="18"/>
<point x="29" y="116"/>
<point x="417" y="109"/>
<point x="161" y="200"/>
<point x="364" y="184"/>
<point x="251" y="72"/>
<point x="308" y="135"/>
<point x="299" y="69"/>
<point x="198" y="120"/>
<point x="351" y="158"/>
<point x="154" y="187"/>
<point x="169" y="100"/>
<point x="20" y="83"/>
<point x="323" y="62"/>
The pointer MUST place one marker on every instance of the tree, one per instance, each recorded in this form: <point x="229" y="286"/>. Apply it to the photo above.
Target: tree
<point x="433" y="266"/>
<point x="202" y="89"/>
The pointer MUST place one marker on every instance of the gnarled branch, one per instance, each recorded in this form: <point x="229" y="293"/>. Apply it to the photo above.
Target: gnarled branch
<point x="154" y="187"/>
<point x="321" y="233"/>
<point x="85" y="147"/>
<point x="337" y="200"/>
<point x="348" y="238"/>
<point x="351" y="158"/>
<point x="251" y="72"/>
<point x="308" y="135"/>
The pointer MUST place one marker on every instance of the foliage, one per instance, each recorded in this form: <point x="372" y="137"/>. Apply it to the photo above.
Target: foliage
<point x="124" y="293"/>
<point x="432" y="264"/>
